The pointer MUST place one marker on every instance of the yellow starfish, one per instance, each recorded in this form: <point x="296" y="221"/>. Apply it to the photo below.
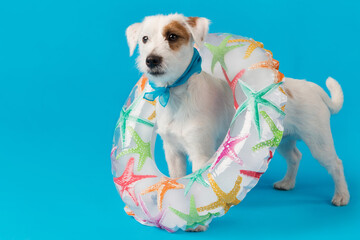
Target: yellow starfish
<point x="152" y="102"/>
<point x="253" y="45"/>
<point x="282" y="90"/>
<point x="162" y="187"/>
<point x="225" y="200"/>
<point x="153" y="115"/>
<point x="283" y="108"/>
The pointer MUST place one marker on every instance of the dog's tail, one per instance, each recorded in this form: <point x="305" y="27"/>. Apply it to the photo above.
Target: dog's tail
<point x="336" y="101"/>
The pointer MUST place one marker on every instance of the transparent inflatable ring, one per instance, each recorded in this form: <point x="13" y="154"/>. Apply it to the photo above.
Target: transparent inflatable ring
<point x="256" y="130"/>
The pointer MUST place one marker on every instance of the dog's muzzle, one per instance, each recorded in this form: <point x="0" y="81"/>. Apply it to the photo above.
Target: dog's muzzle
<point x="153" y="61"/>
<point x="154" y="64"/>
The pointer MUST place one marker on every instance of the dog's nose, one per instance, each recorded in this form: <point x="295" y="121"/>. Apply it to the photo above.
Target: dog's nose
<point x="153" y="61"/>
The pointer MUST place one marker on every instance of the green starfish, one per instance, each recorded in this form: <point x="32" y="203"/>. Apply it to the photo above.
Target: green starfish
<point x="125" y="116"/>
<point x="274" y="142"/>
<point x="142" y="148"/>
<point x="254" y="99"/>
<point x="193" y="218"/>
<point x="196" y="177"/>
<point x="220" y="51"/>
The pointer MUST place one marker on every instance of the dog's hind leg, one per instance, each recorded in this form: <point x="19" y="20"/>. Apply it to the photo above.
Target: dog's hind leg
<point x="292" y="155"/>
<point x="324" y="151"/>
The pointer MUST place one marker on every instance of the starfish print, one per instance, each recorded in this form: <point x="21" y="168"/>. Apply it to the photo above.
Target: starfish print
<point x="225" y="200"/>
<point x="156" y="221"/>
<point x="125" y="116"/>
<point x="282" y="90"/>
<point x="141" y="83"/>
<point x="142" y="148"/>
<point x="127" y="180"/>
<point x="253" y="100"/>
<point x="275" y="141"/>
<point x="253" y="45"/>
<point x="113" y="150"/>
<point x="269" y="52"/>
<point x="251" y="173"/>
<point x="228" y="149"/>
<point x="270" y="156"/>
<point x="271" y="64"/>
<point x="196" y="177"/>
<point x="162" y="187"/>
<point x="193" y="218"/>
<point x="233" y="83"/>
<point x="283" y="108"/>
<point x="128" y="211"/>
<point x="274" y="66"/>
<point x="153" y="115"/>
<point x="220" y="51"/>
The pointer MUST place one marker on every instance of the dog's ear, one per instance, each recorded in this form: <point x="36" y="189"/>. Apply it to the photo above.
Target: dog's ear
<point x="132" y="35"/>
<point x="199" y="27"/>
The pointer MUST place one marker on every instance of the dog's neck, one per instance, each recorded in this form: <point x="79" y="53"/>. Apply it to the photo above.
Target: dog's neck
<point x="179" y="96"/>
<point x="163" y="92"/>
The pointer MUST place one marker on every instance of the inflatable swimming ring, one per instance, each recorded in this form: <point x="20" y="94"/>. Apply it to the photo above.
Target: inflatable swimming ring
<point x="256" y="130"/>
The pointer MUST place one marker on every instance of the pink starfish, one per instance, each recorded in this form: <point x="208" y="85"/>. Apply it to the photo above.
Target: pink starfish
<point x="270" y="157"/>
<point x="251" y="173"/>
<point x="256" y="174"/>
<point x="127" y="180"/>
<point x="156" y="221"/>
<point x="232" y="84"/>
<point x="228" y="149"/>
<point x="113" y="150"/>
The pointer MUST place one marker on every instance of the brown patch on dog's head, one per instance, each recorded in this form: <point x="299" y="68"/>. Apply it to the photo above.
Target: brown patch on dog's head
<point x="176" y="28"/>
<point x="192" y="21"/>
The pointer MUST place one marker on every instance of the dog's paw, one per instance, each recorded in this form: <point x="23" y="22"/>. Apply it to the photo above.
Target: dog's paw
<point x="198" y="229"/>
<point x="341" y="199"/>
<point x="284" y="185"/>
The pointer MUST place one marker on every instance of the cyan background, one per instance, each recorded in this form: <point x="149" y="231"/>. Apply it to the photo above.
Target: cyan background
<point x="65" y="73"/>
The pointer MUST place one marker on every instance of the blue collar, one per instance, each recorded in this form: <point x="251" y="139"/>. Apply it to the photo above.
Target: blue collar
<point x="164" y="92"/>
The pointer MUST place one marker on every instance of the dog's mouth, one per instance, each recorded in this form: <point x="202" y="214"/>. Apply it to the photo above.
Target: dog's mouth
<point x="156" y="72"/>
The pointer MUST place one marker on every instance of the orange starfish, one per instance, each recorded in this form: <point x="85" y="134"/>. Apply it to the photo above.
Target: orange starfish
<point x="162" y="187"/>
<point x="271" y="64"/>
<point x="225" y="200"/>
<point x="269" y="52"/>
<point x="141" y="83"/>
<point x="128" y="211"/>
<point x="253" y="45"/>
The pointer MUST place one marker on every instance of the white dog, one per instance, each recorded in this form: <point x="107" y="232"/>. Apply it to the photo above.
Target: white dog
<point x="199" y="111"/>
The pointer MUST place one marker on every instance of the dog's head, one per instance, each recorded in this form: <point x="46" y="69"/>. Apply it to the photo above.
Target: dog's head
<point x="166" y="44"/>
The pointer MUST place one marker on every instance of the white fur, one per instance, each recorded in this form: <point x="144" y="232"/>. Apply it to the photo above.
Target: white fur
<point x="174" y="62"/>
<point x="198" y="114"/>
<point x="307" y="118"/>
<point x="186" y="124"/>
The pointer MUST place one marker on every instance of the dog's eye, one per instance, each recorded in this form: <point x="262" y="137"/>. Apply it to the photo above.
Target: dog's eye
<point x="145" y="39"/>
<point x="172" y="37"/>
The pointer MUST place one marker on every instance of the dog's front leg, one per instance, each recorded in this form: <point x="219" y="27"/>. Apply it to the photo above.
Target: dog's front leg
<point x="200" y="151"/>
<point x="176" y="160"/>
